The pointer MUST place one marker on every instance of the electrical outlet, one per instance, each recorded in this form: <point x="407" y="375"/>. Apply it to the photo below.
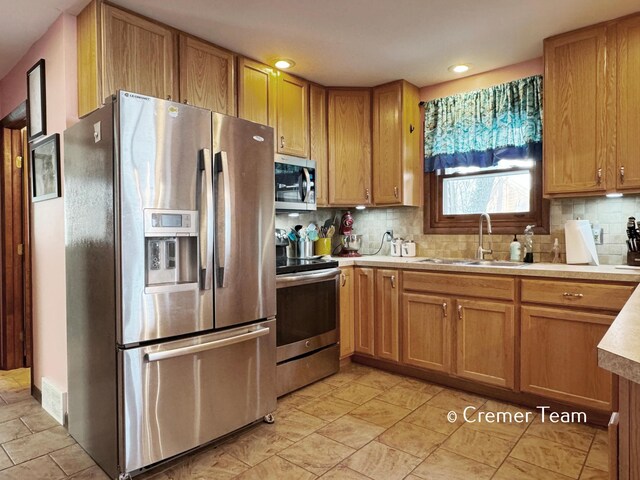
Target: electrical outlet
<point x="389" y="234"/>
<point x="597" y="236"/>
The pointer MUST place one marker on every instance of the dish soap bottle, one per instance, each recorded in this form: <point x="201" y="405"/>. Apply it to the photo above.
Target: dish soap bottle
<point x="528" y="244"/>
<point x="515" y="249"/>
<point x="556" y="251"/>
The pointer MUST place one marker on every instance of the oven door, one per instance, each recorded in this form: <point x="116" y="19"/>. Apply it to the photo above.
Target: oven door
<point x="307" y="317"/>
<point x="295" y="183"/>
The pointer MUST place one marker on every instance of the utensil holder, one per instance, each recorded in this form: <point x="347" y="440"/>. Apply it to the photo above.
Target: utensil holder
<point x="323" y="246"/>
<point x="302" y="248"/>
<point x="633" y="258"/>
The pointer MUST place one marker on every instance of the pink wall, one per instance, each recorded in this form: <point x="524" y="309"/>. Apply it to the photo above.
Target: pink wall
<point x="483" y="80"/>
<point x="58" y="47"/>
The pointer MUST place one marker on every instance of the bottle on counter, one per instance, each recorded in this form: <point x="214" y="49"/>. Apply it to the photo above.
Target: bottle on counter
<point x="528" y="244"/>
<point x="515" y="250"/>
<point x="556" y="251"/>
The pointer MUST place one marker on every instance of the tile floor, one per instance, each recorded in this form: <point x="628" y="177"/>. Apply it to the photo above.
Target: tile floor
<point x="361" y="423"/>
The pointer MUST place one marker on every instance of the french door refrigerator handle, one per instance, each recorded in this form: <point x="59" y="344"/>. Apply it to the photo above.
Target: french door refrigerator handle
<point x="206" y="221"/>
<point x="222" y="167"/>
<point x="179" y="352"/>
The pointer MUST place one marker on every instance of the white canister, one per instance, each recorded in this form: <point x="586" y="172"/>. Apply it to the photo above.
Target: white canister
<point x="396" y="247"/>
<point x="409" y="248"/>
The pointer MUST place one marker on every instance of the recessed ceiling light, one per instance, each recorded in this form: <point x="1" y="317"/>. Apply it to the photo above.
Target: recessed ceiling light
<point x="614" y="195"/>
<point x="284" y="63"/>
<point x="461" y="68"/>
<point x="360" y="207"/>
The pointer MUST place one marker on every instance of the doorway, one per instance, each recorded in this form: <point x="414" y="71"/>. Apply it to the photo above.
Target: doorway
<point x="15" y="252"/>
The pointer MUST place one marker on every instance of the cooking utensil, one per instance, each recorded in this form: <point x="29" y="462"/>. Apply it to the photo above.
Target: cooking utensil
<point x="331" y="231"/>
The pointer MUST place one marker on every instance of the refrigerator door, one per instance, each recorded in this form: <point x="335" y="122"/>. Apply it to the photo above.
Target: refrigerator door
<point x="245" y="217"/>
<point x="160" y="150"/>
<point x="182" y="394"/>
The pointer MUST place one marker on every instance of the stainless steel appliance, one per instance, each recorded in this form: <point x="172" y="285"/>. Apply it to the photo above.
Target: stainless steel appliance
<point x="169" y="214"/>
<point x="308" y="328"/>
<point x="295" y="184"/>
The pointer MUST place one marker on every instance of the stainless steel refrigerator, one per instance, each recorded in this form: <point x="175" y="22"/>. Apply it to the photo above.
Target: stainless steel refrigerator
<point x="169" y="218"/>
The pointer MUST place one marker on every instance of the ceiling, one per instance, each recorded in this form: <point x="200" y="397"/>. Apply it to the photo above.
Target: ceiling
<point x="347" y="42"/>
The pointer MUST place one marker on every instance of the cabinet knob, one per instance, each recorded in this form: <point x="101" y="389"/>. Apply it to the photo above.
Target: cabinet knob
<point x="460" y="312"/>
<point x="395" y="192"/>
<point x="343" y="279"/>
<point x="572" y="295"/>
<point x="393" y="281"/>
<point x="282" y="141"/>
<point x="622" y="174"/>
<point x="444" y="309"/>
<point x="411" y="128"/>
<point x="185" y="101"/>
<point x="599" y="176"/>
<point x="168" y="97"/>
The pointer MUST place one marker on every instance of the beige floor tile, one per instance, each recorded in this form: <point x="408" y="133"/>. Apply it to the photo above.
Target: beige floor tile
<point x="509" y="422"/>
<point x="589" y="473"/>
<point x="444" y="465"/>
<point x="16" y="410"/>
<point x="341" y="472"/>
<point x="292" y="400"/>
<point x="40" y="443"/>
<point x="381" y="462"/>
<point x="513" y="469"/>
<point x="434" y="419"/>
<point x="379" y="379"/>
<point x="342" y="378"/>
<point x="599" y="454"/>
<point x="91" y="473"/>
<point x="421" y="385"/>
<point x="5" y="461"/>
<point x="72" y="459"/>
<point x="13" y="429"/>
<point x="276" y="468"/>
<point x="550" y="455"/>
<point x="380" y="413"/>
<point x="412" y="439"/>
<point x="404" y="397"/>
<point x="295" y="425"/>
<point x="257" y="446"/>
<point x="455" y="400"/>
<point x="351" y="431"/>
<point x="316" y="453"/>
<point x="19" y="394"/>
<point x="356" y="393"/>
<point x="317" y="389"/>
<point x="213" y="463"/>
<point x="39" y="421"/>
<point x="42" y="468"/>
<point x="328" y="408"/>
<point x="570" y="434"/>
<point x="478" y="446"/>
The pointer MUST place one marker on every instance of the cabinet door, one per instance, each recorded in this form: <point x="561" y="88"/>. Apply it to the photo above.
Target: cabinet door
<point x="485" y="342"/>
<point x="256" y="92"/>
<point x="349" y="147"/>
<point x="559" y="356"/>
<point x="347" y="328"/>
<point x="387" y="144"/>
<point x="628" y="99"/>
<point x="138" y="55"/>
<point x="387" y="314"/>
<point x="364" y="310"/>
<point x="426" y="334"/>
<point x="575" y="112"/>
<point x="318" y="141"/>
<point x="293" y="116"/>
<point x="207" y="76"/>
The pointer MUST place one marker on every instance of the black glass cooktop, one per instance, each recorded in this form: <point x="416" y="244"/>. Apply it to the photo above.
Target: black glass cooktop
<point x="293" y="265"/>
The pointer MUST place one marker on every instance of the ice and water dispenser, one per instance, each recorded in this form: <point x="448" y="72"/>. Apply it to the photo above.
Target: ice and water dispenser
<point x="171" y="244"/>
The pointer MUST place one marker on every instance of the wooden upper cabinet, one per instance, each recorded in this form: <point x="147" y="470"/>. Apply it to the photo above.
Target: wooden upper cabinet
<point x="397" y="166"/>
<point x="257" y="91"/>
<point x="138" y="55"/>
<point x="207" y="76"/>
<point x="347" y="328"/>
<point x="293" y="116"/>
<point x="319" y="148"/>
<point x="387" y="317"/>
<point x="576" y="116"/>
<point x="349" y="147"/>
<point x="628" y="102"/>
<point x="364" y="310"/>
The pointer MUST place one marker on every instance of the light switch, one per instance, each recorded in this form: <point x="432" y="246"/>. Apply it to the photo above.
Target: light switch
<point x="97" y="134"/>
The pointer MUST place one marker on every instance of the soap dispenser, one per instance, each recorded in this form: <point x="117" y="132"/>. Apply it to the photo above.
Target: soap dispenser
<point x="515" y="250"/>
<point x="528" y="244"/>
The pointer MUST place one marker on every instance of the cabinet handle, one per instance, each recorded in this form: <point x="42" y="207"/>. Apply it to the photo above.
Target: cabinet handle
<point x="572" y="295"/>
<point x="444" y="309"/>
<point x="343" y="279"/>
<point x="411" y="128"/>
<point x="622" y="174"/>
<point x="366" y="194"/>
<point x="460" y="312"/>
<point x="395" y="191"/>
<point x="185" y="101"/>
<point x="393" y="281"/>
<point x="168" y="97"/>
<point x="282" y="141"/>
<point x="599" y="176"/>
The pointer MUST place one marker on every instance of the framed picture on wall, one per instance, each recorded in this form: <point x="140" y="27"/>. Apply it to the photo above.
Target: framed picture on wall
<point x="36" y="101"/>
<point x="45" y="168"/>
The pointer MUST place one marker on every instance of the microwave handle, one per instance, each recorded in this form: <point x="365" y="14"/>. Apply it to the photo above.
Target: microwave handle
<point x="308" y="179"/>
<point x="206" y="220"/>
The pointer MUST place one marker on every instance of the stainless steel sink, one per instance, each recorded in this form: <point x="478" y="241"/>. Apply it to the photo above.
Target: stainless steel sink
<point x="472" y="262"/>
<point x="446" y="261"/>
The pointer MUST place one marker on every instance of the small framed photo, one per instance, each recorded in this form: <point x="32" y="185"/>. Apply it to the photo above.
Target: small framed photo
<point x="36" y="101"/>
<point x="45" y="168"/>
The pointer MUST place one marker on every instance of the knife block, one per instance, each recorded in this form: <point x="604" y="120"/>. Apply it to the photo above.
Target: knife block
<point x="633" y="258"/>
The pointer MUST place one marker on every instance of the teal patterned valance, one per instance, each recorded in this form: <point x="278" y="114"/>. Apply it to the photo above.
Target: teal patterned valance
<point x="482" y="127"/>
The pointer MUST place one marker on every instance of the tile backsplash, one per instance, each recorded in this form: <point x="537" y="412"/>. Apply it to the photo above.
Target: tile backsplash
<point x="610" y="213"/>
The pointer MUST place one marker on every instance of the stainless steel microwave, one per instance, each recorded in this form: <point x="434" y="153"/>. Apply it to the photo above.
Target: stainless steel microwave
<point x="295" y="184"/>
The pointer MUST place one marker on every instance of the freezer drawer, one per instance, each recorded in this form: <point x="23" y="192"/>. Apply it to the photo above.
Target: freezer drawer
<point x="182" y="394"/>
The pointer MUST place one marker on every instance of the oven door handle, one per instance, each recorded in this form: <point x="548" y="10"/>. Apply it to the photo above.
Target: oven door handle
<point x="304" y="278"/>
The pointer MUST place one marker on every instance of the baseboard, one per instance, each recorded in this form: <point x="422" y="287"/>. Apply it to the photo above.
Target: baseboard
<point x="344" y="361"/>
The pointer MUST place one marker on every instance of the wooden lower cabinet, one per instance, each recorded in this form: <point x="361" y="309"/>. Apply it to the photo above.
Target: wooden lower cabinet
<point x="485" y="342"/>
<point x="364" y="309"/>
<point x="426" y="332"/>
<point x="559" y="358"/>
<point x="347" y="328"/>
<point x="387" y="316"/>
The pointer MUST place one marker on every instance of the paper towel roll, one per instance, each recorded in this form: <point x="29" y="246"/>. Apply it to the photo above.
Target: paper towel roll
<point x="579" y="243"/>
